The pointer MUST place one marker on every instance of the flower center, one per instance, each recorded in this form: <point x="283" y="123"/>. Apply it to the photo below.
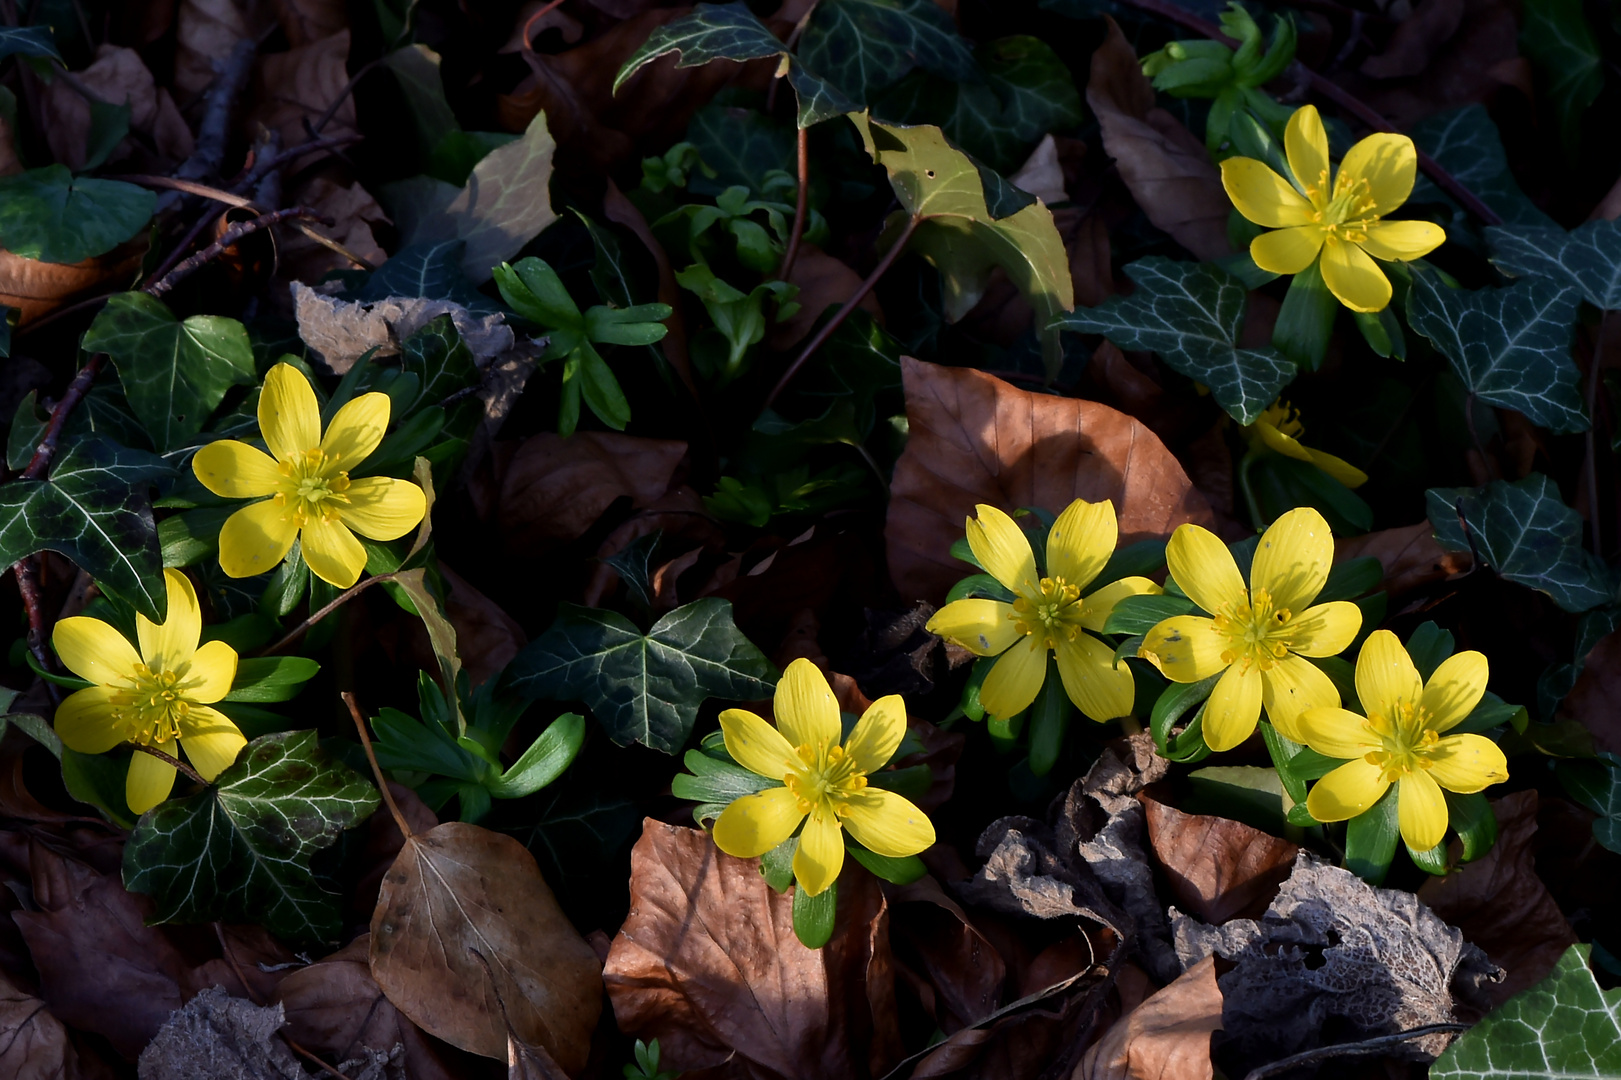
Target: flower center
<point x="312" y="487"/>
<point x="1284" y="418"/>
<point x="1257" y="633"/>
<point x="1349" y="213"/>
<point x="829" y="776"/>
<point x="152" y="706"/>
<point x="1407" y="739"/>
<point x="1052" y="609"/>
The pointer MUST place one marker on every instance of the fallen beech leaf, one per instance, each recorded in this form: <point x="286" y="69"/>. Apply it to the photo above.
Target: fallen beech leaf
<point x="1167" y="1037"/>
<point x="823" y="282"/>
<point x="467" y="937"/>
<point x="525" y="1061"/>
<point x="975" y="439"/>
<point x="486" y="636"/>
<point x="118" y="77"/>
<point x="1167" y="169"/>
<point x="37" y="288"/>
<point x="208" y="31"/>
<point x="10" y="163"/>
<point x="1482" y="57"/>
<point x="34" y="1044"/>
<point x="305" y="21"/>
<point x="1410" y="556"/>
<point x="356" y="214"/>
<point x="301" y="84"/>
<point x="934" y="937"/>
<point x="1416" y="40"/>
<point x="1041" y="175"/>
<point x="1090" y="266"/>
<point x="1218" y="868"/>
<point x="1501" y="905"/>
<point x="1595" y="700"/>
<point x="556" y="488"/>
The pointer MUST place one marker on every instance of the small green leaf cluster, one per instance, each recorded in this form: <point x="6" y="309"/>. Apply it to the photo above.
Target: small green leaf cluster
<point x="1231" y="78"/>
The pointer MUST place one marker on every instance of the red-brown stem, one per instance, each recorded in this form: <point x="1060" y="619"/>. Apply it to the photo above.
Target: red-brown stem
<point x="800" y="206"/>
<point x="27" y="570"/>
<point x="342" y="598"/>
<point x="179" y="765"/>
<point x="529" y="27"/>
<point x="377" y="771"/>
<point x="77" y="389"/>
<point x="186" y="267"/>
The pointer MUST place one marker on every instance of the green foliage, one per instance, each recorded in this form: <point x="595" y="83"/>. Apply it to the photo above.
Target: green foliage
<point x="1560" y="679"/>
<point x="1231" y="79"/>
<point x="733" y="216"/>
<point x="1559" y="43"/>
<point x="432" y="270"/>
<point x="50" y="215"/>
<point x="240" y="849"/>
<point x="28" y="41"/>
<point x="1466" y="143"/>
<point x="1596" y="784"/>
<point x="739" y="318"/>
<point x="647" y="1064"/>
<point x="862" y="46"/>
<point x="1586" y="258"/>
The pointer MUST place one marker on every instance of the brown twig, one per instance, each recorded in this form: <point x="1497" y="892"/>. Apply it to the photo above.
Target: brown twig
<point x="800" y="206"/>
<point x="28" y="586"/>
<point x="46" y="450"/>
<point x="186" y="267"/>
<point x="1366" y="1046"/>
<point x="283" y="157"/>
<point x="377" y="770"/>
<point x="219" y="102"/>
<point x="342" y="598"/>
<point x="313" y="1058"/>
<point x="230" y="958"/>
<point x="179" y="765"/>
<point x="343" y="95"/>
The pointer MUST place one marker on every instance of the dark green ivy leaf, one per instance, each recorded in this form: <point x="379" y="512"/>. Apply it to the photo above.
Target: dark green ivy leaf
<point x="1587" y="258"/>
<point x="1596" y="784"/>
<point x="1560" y="679"/>
<point x="430" y="269"/>
<point x="28" y="41"/>
<point x="240" y="849"/>
<point x="50" y="215"/>
<point x="862" y="46"/>
<point x="1560" y="45"/>
<point x="644" y="688"/>
<point x="436" y="355"/>
<point x="1189" y="315"/>
<point x="1466" y="143"/>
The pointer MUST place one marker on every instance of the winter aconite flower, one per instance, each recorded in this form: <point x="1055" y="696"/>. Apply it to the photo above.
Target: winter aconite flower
<point x="1279" y="429"/>
<point x="824" y="783"/>
<point x="1258" y="637"/>
<point x="311" y="496"/>
<point x="1048" y="613"/>
<point x="158" y="697"/>
<point x="1403" y="741"/>
<point x="1340" y="222"/>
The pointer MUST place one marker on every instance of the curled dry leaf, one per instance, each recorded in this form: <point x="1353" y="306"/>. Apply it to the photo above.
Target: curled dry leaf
<point x="34" y="1044"/>
<point x="957" y="969"/>
<point x="1410" y="556"/>
<point x="37" y="288"/>
<point x="355" y="213"/>
<point x="342" y="331"/>
<point x="119" y="77"/>
<point x="1219" y="869"/>
<point x="306" y="21"/>
<point x="301" y="84"/>
<point x="208" y="30"/>
<point x="1167" y="1037"/>
<point x="556" y="488"/>
<point x="975" y="439"/>
<point x="468" y="938"/>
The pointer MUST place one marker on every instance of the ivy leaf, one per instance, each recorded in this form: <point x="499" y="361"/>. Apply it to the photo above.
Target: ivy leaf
<point x="432" y="270"/>
<point x="1587" y="258"/>
<point x="743" y="146"/>
<point x="733" y="32"/>
<point x="862" y="46"/>
<point x="1466" y="143"/>
<point x="962" y="237"/>
<point x="174" y="373"/>
<point x="93" y="509"/>
<point x="1596" y="784"/>
<point x="439" y="359"/>
<point x="1558" y="41"/>
<point x="1189" y="315"/>
<point x="1563" y="1026"/>
<point x="644" y="688"/>
<point x="240" y="849"/>
<point x="28" y="41"/>
<point x="1510" y="347"/>
<point x="50" y="215"/>
<point x="1557" y="681"/>
<point x="1524" y="532"/>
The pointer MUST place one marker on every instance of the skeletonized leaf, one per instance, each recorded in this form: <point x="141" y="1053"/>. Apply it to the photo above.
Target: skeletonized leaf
<point x="862" y="46"/>
<point x="51" y="215"/>
<point x="1588" y="257"/>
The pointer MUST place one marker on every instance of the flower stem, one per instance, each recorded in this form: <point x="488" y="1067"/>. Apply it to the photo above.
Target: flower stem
<point x="342" y="598"/>
<point x="377" y="771"/>
<point x="179" y="765"/>
<point x="800" y="206"/>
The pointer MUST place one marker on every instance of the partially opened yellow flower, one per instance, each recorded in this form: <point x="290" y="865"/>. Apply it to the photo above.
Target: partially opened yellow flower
<point x="1339" y="222"/>
<point x="158" y="697"/>
<point x="1279" y="429"/>
<point x="1048" y="614"/>
<point x="1401" y="742"/>
<point x="1258" y="637"/>
<point x="824" y="783"/>
<point x="310" y="494"/>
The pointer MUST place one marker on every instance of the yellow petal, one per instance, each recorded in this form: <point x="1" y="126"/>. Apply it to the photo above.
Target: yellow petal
<point x="85" y="721"/>
<point x="1421" y="810"/>
<point x="1354" y="278"/>
<point x="877" y="735"/>
<point x="1385" y="676"/>
<point x="1347" y="791"/>
<point x="236" y="470"/>
<point x="1455" y="688"/>
<point x="1095" y="608"/>
<point x="1389" y="164"/>
<point x="93" y="650"/>
<point x="1204" y="568"/>
<point x="382" y="508"/>
<point x="149" y="781"/>
<point x="167" y="647"/>
<point x="255" y="539"/>
<point x="333" y="553"/>
<point x="1015" y="678"/>
<point x="1402" y="241"/>
<point x="289" y="415"/>
<point x="983" y="627"/>
<point x="1305" y="143"/>
<point x="1292" y="560"/>
<point x="1467" y="763"/>
<point x="1001" y="547"/>
<point x="1327" y="629"/>
<point x="1185" y="648"/>
<point x="887" y="823"/>
<point x="1233" y="709"/>
<point x="1277" y="441"/>
<point x="1262" y="195"/>
<point x="210" y="740"/>
<point x="1338" y="468"/>
<point x="1290" y="687"/>
<point x="1336" y="733"/>
<point x="1099" y="689"/>
<point x="211" y="672"/>
<point x="754" y="824"/>
<point x="807" y="712"/>
<point x="757" y="746"/>
<point x="1081" y="541"/>
<point x="1287" y="251"/>
<point x="821" y="851"/>
<point x="355" y="432"/>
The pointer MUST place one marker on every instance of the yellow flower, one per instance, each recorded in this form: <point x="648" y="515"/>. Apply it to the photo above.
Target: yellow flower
<point x="311" y="495"/>
<point x="1259" y="636"/>
<point x="1278" y="428"/>
<point x="1400" y="741"/>
<point x="157" y="697"/>
<point x="1048" y="614"/>
<point x="1341" y="223"/>
<point x="821" y="780"/>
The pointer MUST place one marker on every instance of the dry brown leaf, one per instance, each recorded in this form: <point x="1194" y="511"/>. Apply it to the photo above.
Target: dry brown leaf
<point x="1595" y="700"/>
<point x="525" y="1061"/>
<point x="301" y="84"/>
<point x="680" y="515"/>
<point x="823" y="281"/>
<point x="556" y="488"/>
<point x="355" y="213"/>
<point x="467" y="938"/>
<point x="486" y="636"/>
<point x="1167" y="1037"/>
<point x="1087" y="238"/>
<point x="946" y="954"/>
<point x="34" y="1045"/>
<point x="707" y="963"/>
<point x="1041" y="174"/>
<point x="1167" y="169"/>
<point x="1218" y="868"/>
<point x="551" y="17"/>
<point x="975" y="439"/>
<point x="307" y="21"/>
<point x="10" y="163"/>
<point x="1410" y="556"/>
<point x="208" y="31"/>
<point x="37" y="288"/>
<point x="119" y="77"/>
<point x="1416" y="40"/>
<point x="1480" y="59"/>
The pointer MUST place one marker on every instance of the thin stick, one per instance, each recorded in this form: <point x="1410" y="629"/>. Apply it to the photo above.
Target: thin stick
<point x="174" y="761"/>
<point x="187" y="267"/>
<point x="529" y="27"/>
<point x="230" y="958"/>
<point x="190" y="187"/>
<point x="308" y="146"/>
<point x="377" y="771"/>
<point x="59" y="416"/>
<point x="28" y="585"/>
<point x="844" y="312"/>
<point x="342" y="598"/>
<point x="308" y="1056"/>
<point x="1367" y="1046"/>
<point x="800" y="205"/>
<point x="348" y="88"/>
